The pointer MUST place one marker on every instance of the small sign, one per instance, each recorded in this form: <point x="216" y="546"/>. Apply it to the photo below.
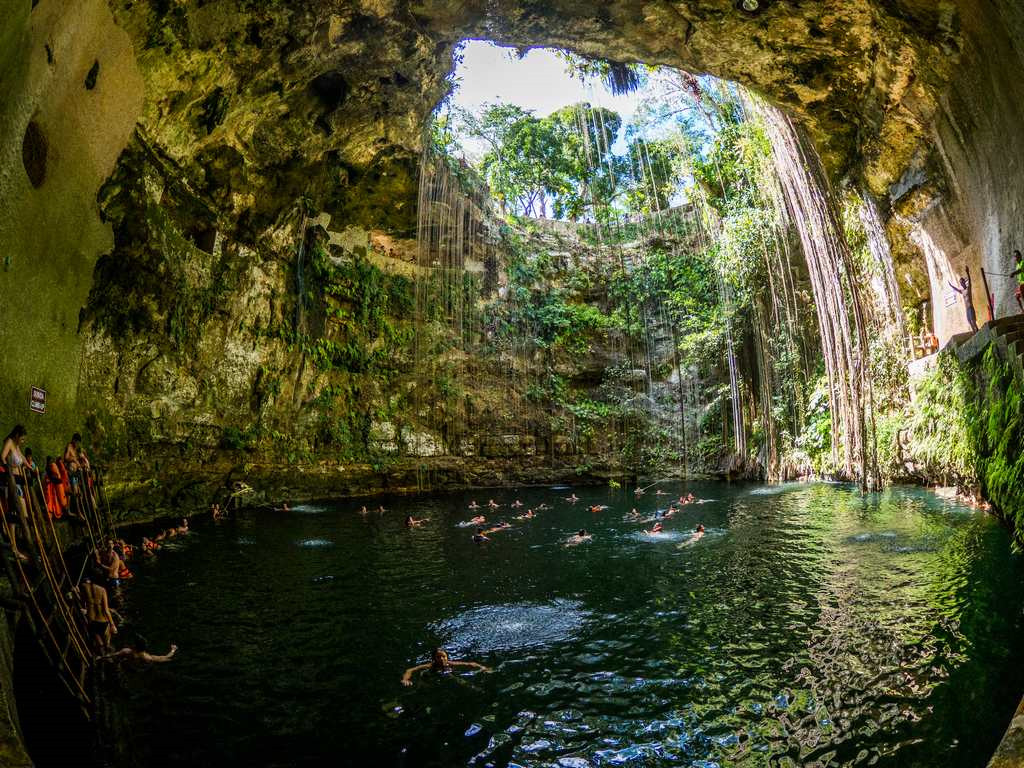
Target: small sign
<point x="950" y="298"/>
<point x="38" y="401"/>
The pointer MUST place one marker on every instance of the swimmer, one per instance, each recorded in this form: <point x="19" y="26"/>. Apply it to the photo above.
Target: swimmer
<point x="638" y="491"/>
<point x="137" y="651"/>
<point x="491" y="503"/>
<point x="633" y="514"/>
<point x="542" y="506"/>
<point x="669" y="513"/>
<point x="381" y="510"/>
<point x="149" y="546"/>
<point x="658" y="528"/>
<point x="215" y="511"/>
<point x="283" y="508"/>
<point x="698" y="534"/>
<point x="660" y="492"/>
<point x="517" y="504"/>
<point x="480" y="537"/>
<point x="474" y="505"/>
<point x="412" y="522"/>
<point x="183" y="528"/>
<point x="364" y="511"/>
<point x="441" y="664"/>
<point x="572" y="499"/>
<point x="528" y="515"/>
<point x="578" y="538"/>
<point x="499" y="527"/>
<point x="478" y="520"/>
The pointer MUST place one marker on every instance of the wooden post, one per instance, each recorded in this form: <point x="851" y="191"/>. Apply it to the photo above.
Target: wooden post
<point x="989" y="298"/>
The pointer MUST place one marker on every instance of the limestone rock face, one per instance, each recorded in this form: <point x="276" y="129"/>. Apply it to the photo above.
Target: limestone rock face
<point x="267" y="131"/>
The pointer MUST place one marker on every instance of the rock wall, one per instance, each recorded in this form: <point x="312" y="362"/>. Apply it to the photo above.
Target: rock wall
<point x="185" y="141"/>
<point x="72" y="92"/>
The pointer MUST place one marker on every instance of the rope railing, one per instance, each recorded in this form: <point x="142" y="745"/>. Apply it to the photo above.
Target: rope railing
<point x="38" y="570"/>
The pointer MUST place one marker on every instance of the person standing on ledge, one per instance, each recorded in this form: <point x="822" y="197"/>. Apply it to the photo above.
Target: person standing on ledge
<point x="1018" y="272"/>
<point x="965" y="291"/>
<point x="441" y="664"/>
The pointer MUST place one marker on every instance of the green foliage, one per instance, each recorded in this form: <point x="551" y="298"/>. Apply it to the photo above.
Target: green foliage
<point x="938" y="424"/>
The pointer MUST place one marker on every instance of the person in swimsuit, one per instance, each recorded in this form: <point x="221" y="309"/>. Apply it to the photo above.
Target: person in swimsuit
<point x="13" y="462"/>
<point x="480" y="537"/>
<point x="183" y="528"/>
<point x="474" y="505"/>
<point x="658" y="528"/>
<point x="111" y="564"/>
<point x="698" y="534"/>
<point x="517" y="504"/>
<point x="965" y="293"/>
<point x="98" y="614"/>
<point x="412" y="522"/>
<point x="578" y="538"/>
<point x="75" y="460"/>
<point x="492" y="504"/>
<point x="138" y="651"/>
<point x="572" y="499"/>
<point x="441" y="664"/>
<point x="478" y="520"/>
<point x="364" y="511"/>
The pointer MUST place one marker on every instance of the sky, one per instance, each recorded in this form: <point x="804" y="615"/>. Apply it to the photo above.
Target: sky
<point x="538" y="81"/>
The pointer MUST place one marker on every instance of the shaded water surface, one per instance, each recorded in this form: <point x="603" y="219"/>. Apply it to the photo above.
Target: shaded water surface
<point x="810" y="626"/>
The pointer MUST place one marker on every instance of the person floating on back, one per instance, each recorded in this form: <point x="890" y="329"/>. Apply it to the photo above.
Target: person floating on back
<point x="138" y="651"/>
<point x="440" y="663"/>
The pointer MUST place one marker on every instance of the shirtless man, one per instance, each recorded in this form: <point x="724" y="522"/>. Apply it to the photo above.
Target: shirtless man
<point x="98" y="615"/>
<point x="441" y="664"/>
<point x="492" y="504"/>
<point x="183" y="528"/>
<point x="74" y="456"/>
<point x="413" y="522"/>
<point x="111" y="564"/>
<point x="138" y="651"/>
<point x="572" y="499"/>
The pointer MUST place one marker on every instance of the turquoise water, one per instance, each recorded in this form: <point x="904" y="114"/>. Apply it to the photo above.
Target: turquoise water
<point x="809" y="626"/>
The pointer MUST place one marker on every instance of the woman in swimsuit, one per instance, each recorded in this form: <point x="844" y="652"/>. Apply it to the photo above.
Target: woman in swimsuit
<point x="13" y="462"/>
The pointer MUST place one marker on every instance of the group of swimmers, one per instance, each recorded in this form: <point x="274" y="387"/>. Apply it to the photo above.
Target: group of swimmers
<point x="481" y="533"/>
<point x="108" y="570"/>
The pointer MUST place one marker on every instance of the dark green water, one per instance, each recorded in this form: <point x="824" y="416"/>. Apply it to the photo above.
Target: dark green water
<point x="810" y="626"/>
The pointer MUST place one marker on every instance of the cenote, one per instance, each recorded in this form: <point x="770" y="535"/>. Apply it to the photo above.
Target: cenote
<point x="382" y="252"/>
<point x="810" y="626"/>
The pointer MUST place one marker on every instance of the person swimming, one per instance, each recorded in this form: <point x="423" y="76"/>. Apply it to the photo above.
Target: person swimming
<point x="660" y="492"/>
<point x="633" y="514"/>
<point x="698" y="534"/>
<point x="138" y="651"/>
<point x="474" y="505"/>
<point x="528" y="515"/>
<point x="578" y="538"/>
<point x="658" y="528"/>
<point x="183" y="528"/>
<point x="638" y="491"/>
<point x="480" y="536"/>
<point x="669" y="513"/>
<point x="492" y="504"/>
<point x="412" y="522"/>
<point x="572" y="499"/>
<point x="478" y="520"/>
<point x="440" y="663"/>
<point x="364" y="511"/>
<point x="516" y="504"/>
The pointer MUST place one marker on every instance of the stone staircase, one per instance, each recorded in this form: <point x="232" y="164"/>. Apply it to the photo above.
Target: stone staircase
<point x="1007" y="333"/>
